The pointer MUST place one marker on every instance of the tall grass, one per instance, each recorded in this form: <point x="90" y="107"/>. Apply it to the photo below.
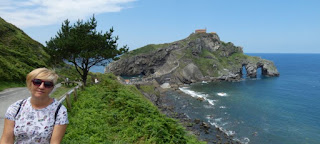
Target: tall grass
<point x="114" y="113"/>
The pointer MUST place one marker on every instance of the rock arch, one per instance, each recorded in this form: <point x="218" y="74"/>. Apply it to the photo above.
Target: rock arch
<point x="267" y="69"/>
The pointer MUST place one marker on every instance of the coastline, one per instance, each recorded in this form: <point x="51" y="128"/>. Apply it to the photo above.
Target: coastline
<point x="203" y="130"/>
<point x="271" y="100"/>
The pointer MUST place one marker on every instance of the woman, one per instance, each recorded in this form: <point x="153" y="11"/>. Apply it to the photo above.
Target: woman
<point x="39" y="118"/>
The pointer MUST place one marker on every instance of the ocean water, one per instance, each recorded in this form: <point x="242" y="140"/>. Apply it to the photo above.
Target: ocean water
<point x="262" y="110"/>
<point x="97" y="69"/>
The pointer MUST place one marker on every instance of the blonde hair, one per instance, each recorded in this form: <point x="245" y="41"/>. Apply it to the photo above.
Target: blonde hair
<point x="41" y="73"/>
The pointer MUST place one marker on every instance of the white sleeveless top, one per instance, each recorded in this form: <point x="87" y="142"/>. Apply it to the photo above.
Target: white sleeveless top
<point x="35" y="126"/>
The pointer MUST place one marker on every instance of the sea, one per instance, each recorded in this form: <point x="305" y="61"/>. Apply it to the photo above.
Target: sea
<point x="262" y="110"/>
<point x="97" y="69"/>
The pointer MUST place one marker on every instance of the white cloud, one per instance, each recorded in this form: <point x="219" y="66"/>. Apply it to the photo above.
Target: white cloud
<point x="30" y="13"/>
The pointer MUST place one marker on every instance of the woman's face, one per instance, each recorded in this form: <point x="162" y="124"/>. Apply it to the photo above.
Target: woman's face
<point x="41" y="88"/>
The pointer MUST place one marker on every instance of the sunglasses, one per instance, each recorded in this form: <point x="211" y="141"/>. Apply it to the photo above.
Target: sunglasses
<point x="38" y="82"/>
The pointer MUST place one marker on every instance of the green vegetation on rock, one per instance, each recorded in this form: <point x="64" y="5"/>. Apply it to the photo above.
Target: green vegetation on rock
<point x="199" y="57"/>
<point x="146" y="49"/>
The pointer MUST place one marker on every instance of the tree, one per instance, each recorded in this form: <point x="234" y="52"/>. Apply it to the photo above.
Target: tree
<point x="83" y="46"/>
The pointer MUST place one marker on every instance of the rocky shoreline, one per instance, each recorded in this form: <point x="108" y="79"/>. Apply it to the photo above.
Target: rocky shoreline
<point x="201" y="57"/>
<point x="203" y="130"/>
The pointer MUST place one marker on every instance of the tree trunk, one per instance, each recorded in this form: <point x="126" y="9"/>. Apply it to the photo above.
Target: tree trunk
<point x="84" y="78"/>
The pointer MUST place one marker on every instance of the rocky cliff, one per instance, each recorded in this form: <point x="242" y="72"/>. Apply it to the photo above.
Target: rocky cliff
<point x="199" y="57"/>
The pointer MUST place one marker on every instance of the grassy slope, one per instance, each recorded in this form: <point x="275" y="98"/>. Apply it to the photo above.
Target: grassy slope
<point x="146" y="49"/>
<point x="19" y="54"/>
<point x="115" y="113"/>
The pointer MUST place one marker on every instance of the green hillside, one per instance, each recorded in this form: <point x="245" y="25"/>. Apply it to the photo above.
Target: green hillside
<point x="114" y="113"/>
<point x="19" y="54"/>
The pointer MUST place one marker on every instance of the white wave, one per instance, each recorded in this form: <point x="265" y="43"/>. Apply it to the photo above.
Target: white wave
<point x="197" y="95"/>
<point x="218" y="119"/>
<point x="215" y="124"/>
<point x="222" y="107"/>
<point x="204" y="82"/>
<point x="244" y="140"/>
<point x="230" y="133"/>
<point x="210" y="101"/>
<point x="209" y="117"/>
<point x="227" y="132"/>
<point x="225" y="123"/>
<point x="219" y="123"/>
<point x="208" y="106"/>
<point x="222" y="94"/>
<point x="193" y="93"/>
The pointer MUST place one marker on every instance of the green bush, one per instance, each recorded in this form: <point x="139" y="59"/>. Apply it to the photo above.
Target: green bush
<point x="115" y="113"/>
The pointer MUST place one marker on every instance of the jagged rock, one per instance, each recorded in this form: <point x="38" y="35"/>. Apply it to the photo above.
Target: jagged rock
<point x="165" y="86"/>
<point x="251" y="70"/>
<point x="268" y="68"/>
<point x="199" y="57"/>
<point x="200" y="99"/>
<point x="197" y="121"/>
<point x="192" y="73"/>
<point x="205" y="125"/>
<point x="175" y="86"/>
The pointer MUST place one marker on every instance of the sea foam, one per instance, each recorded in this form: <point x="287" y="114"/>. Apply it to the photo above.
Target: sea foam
<point x="193" y="93"/>
<point x="222" y="107"/>
<point x="222" y="94"/>
<point x="197" y="95"/>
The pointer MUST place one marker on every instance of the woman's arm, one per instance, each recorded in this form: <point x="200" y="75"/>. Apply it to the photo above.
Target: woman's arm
<point x="7" y="135"/>
<point x="58" y="133"/>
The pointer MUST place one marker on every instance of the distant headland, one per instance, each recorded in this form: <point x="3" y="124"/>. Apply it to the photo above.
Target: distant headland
<point x="200" y="57"/>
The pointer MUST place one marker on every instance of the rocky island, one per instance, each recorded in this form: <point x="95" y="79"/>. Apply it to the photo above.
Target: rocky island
<point x="201" y="56"/>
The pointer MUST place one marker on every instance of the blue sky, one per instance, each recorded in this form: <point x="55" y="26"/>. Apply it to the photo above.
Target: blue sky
<point x="265" y="26"/>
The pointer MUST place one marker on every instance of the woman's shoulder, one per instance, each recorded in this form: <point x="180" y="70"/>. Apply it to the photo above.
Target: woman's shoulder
<point x="56" y="104"/>
<point x="13" y="109"/>
<point x="61" y="114"/>
<point x="17" y="104"/>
